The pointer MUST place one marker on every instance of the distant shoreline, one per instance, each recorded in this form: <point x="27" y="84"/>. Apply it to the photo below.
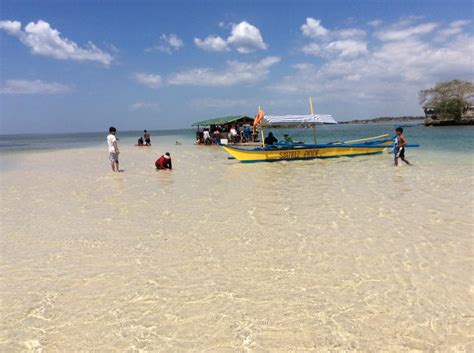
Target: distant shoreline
<point x="386" y="119"/>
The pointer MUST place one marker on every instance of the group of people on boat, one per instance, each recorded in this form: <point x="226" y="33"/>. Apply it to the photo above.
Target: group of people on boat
<point x="163" y="162"/>
<point x="214" y="135"/>
<point x="271" y="139"/>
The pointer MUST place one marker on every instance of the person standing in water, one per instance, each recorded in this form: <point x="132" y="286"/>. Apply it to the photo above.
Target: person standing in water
<point x="164" y="162"/>
<point x="146" y="137"/>
<point x="401" y="142"/>
<point x="113" y="149"/>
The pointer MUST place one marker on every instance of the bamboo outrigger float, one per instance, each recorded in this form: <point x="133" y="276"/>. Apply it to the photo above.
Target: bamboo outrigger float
<point x="301" y="151"/>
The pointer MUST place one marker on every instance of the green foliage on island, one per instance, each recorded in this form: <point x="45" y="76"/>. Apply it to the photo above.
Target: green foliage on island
<point x="448" y="102"/>
<point x="386" y="119"/>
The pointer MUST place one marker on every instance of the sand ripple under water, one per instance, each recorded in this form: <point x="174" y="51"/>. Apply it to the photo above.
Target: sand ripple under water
<point x="347" y="254"/>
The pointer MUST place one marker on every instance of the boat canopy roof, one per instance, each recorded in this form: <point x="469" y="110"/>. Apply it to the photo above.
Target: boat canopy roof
<point x="222" y="120"/>
<point x="296" y="120"/>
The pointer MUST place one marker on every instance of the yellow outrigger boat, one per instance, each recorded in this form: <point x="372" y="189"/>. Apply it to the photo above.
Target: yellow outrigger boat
<point x="301" y="151"/>
<point x="283" y="151"/>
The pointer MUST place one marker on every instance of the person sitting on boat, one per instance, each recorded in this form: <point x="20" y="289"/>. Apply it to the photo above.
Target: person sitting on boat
<point x="140" y="141"/>
<point x="270" y="139"/>
<point x="246" y="134"/>
<point x="164" y="162"/>
<point x="233" y="134"/>
<point x="216" y="136"/>
<point x="146" y="137"/>
<point x="290" y="140"/>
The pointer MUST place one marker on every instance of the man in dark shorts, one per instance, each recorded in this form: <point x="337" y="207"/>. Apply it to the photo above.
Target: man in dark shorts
<point x="401" y="142"/>
<point x="146" y="137"/>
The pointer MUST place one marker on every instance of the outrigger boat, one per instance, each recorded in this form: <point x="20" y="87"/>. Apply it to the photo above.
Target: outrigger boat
<point x="301" y="151"/>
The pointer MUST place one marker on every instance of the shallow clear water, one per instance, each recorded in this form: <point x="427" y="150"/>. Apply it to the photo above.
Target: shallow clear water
<point x="217" y="255"/>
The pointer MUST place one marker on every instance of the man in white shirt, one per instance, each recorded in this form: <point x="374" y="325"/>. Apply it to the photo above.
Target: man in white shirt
<point x="233" y="134"/>
<point x="206" y="136"/>
<point x="113" y="149"/>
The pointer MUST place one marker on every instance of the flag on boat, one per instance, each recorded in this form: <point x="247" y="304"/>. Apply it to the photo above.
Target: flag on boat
<point x="258" y="117"/>
<point x="296" y="120"/>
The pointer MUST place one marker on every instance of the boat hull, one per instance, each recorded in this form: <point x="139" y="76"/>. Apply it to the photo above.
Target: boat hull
<point x="303" y="152"/>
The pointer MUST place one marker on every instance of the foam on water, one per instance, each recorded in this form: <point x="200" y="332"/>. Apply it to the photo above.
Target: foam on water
<point x="221" y="256"/>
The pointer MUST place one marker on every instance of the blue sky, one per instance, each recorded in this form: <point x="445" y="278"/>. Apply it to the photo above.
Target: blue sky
<point x="86" y="65"/>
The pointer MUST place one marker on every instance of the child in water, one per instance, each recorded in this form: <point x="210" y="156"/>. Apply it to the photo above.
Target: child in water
<point x="401" y="142"/>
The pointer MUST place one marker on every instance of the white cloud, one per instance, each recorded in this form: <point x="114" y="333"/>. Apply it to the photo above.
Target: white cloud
<point x="400" y="33"/>
<point x="144" y="106"/>
<point x="169" y="43"/>
<point x="313" y="29"/>
<point x="244" y="37"/>
<point x="219" y="103"/>
<point x="455" y="27"/>
<point x="312" y="49"/>
<point x="326" y="43"/>
<point x="302" y="66"/>
<point x="148" y="79"/>
<point x="342" y="48"/>
<point x="347" y="47"/>
<point x="33" y="87"/>
<point x="384" y="78"/>
<point x="246" y="105"/>
<point x="46" y="41"/>
<point x="235" y="72"/>
<point x="12" y="27"/>
<point x="211" y="43"/>
<point x="350" y="33"/>
<point x="375" y="23"/>
<point x="173" y="41"/>
<point x="391" y="65"/>
<point x="459" y="23"/>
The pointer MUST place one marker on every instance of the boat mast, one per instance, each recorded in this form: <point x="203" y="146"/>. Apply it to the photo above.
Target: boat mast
<point x="311" y="111"/>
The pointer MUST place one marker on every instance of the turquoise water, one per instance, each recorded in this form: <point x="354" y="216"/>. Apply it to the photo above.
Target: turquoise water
<point x="32" y="142"/>
<point x="443" y="139"/>
<point x="455" y="139"/>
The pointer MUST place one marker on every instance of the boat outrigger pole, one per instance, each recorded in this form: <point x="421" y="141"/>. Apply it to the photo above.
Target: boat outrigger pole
<point x="311" y="112"/>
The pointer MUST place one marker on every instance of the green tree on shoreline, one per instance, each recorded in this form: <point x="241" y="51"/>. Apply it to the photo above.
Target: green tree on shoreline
<point x="448" y="99"/>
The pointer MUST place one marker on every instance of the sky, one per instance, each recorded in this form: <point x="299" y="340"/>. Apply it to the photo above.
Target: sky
<point x="82" y="66"/>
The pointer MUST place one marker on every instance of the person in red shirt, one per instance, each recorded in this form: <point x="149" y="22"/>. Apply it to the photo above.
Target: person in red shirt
<point x="164" y="162"/>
